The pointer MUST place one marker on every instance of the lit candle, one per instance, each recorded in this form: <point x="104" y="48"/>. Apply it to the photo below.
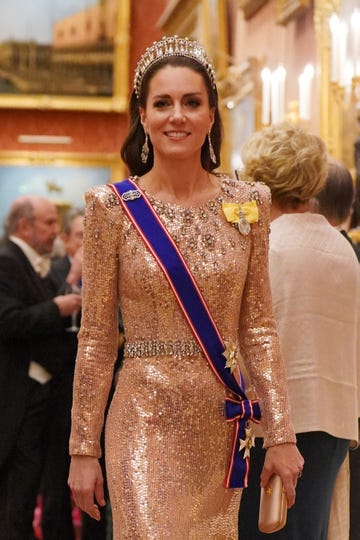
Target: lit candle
<point x="305" y="81"/>
<point x="281" y="75"/>
<point x="274" y="97"/>
<point x="342" y="48"/>
<point x="334" y="29"/>
<point x="349" y="74"/>
<point x="266" y="91"/>
<point x="355" y="41"/>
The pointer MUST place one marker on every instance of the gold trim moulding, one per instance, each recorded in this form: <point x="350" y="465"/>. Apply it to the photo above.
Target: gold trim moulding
<point x="250" y="7"/>
<point x="289" y="9"/>
<point x="45" y="102"/>
<point x="24" y="157"/>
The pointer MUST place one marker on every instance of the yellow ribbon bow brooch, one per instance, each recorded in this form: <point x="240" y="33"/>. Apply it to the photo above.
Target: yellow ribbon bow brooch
<point x="241" y="215"/>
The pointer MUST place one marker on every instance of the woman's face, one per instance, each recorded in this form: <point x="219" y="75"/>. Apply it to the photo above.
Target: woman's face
<point x="177" y="116"/>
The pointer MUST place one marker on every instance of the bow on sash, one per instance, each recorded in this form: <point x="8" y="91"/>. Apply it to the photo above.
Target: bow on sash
<point x="238" y="409"/>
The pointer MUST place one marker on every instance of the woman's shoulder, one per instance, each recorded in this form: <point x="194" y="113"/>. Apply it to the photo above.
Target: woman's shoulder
<point x="102" y="196"/>
<point x="103" y="203"/>
<point x="242" y="189"/>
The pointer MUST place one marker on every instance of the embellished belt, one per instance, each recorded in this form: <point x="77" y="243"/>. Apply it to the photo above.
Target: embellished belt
<point x="146" y="349"/>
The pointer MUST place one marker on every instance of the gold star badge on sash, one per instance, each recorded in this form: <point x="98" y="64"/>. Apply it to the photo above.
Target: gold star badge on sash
<point x="247" y="443"/>
<point x="231" y="355"/>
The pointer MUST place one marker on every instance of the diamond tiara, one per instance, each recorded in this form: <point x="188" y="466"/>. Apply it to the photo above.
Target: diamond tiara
<point x="171" y="46"/>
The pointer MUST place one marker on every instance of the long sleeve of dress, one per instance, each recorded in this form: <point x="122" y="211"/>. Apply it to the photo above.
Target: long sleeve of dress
<point x="98" y="337"/>
<point x="259" y="339"/>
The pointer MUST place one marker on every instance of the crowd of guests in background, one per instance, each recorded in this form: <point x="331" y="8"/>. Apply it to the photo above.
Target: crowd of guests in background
<point x="40" y="312"/>
<point x="40" y="296"/>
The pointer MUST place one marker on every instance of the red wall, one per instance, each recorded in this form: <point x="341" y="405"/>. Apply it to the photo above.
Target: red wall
<point x="144" y="15"/>
<point x="91" y="132"/>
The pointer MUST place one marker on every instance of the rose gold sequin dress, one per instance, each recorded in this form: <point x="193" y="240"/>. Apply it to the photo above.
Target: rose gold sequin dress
<point x="167" y="441"/>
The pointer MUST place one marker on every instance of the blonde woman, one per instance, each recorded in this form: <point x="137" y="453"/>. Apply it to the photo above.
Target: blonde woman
<point x="315" y="286"/>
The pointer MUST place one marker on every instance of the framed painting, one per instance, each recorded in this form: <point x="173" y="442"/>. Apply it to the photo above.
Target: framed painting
<point x="62" y="179"/>
<point x="64" y="55"/>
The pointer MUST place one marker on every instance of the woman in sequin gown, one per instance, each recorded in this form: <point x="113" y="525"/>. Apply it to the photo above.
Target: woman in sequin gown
<point x="167" y="441"/>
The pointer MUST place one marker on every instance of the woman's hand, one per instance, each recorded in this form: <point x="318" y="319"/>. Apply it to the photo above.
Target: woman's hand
<point x="286" y="461"/>
<point x="86" y="483"/>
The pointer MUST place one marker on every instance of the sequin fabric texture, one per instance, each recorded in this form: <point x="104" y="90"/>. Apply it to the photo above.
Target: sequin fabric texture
<point x="167" y="441"/>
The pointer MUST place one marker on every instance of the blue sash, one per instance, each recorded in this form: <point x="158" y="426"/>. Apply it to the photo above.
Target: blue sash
<point x="238" y="409"/>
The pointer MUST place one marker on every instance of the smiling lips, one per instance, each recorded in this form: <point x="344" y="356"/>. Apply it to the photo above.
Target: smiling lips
<point x="177" y="134"/>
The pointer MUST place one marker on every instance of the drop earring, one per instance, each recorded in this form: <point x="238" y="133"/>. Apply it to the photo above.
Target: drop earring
<point x="145" y="149"/>
<point x="211" y="149"/>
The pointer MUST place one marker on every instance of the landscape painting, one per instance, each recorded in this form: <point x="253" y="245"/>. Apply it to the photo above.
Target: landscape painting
<point x="60" y="48"/>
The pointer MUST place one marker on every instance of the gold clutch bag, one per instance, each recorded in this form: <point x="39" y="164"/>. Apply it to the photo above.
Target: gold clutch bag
<point x="273" y="506"/>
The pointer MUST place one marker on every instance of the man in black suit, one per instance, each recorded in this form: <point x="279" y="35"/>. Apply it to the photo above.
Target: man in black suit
<point x="32" y="325"/>
<point x="57" y="521"/>
<point x="65" y="274"/>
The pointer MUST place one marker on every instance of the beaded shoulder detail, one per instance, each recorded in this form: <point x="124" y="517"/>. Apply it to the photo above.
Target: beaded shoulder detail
<point x="230" y="190"/>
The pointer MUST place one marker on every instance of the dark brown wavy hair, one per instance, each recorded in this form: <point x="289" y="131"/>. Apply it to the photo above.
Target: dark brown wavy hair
<point x="131" y="149"/>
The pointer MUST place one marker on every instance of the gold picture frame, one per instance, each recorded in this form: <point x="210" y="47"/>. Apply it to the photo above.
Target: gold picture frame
<point x="250" y="7"/>
<point x="60" y="177"/>
<point x="289" y="9"/>
<point x="22" y="62"/>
